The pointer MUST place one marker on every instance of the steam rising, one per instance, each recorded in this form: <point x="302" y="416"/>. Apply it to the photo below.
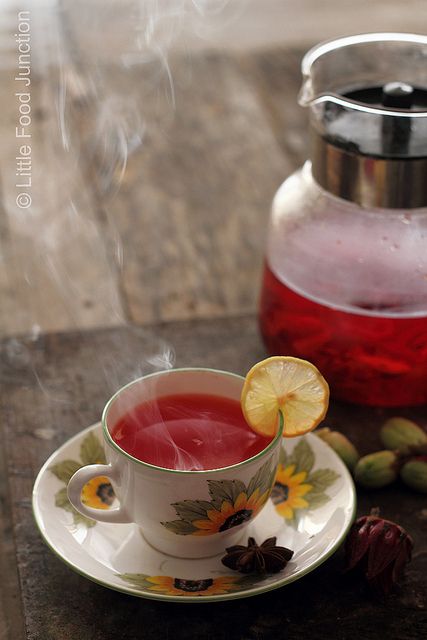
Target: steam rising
<point x="70" y="269"/>
<point x="129" y="34"/>
<point x="167" y="433"/>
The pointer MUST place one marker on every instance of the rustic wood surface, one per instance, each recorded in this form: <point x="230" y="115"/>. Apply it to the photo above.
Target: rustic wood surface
<point x="242" y="25"/>
<point x="182" y="240"/>
<point x="57" y="384"/>
<point x="184" y="236"/>
<point x="199" y="185"/>
<point x="54" y="269"/>
<point x="194" y="203"/>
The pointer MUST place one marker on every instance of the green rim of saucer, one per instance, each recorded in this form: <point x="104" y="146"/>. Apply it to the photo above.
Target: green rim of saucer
<point x="246" y="593"/>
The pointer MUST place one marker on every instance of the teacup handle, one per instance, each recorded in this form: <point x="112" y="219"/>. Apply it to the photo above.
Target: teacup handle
<point x="74" y="491"/>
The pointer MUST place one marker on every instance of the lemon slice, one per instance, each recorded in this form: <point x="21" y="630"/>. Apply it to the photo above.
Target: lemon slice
<point x="287" y="387"/>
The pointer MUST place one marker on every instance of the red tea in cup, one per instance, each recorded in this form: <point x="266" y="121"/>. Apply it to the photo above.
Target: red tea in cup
<point x="188" y="425"/>
<point x="188" y="432"/>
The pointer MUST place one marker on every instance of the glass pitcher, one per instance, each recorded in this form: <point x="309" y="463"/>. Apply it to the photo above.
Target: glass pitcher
<point x="345" y="281"/>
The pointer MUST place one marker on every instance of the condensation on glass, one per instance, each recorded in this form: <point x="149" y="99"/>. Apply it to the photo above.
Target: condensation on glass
<point x="345" y="282"/>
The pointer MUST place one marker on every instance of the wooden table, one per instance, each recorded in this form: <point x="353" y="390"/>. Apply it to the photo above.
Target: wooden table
<point x="191" y="217"/>
<point x="55" y="386"/>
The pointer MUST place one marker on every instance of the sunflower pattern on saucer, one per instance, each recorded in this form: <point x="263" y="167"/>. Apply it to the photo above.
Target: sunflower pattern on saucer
<point x="171" y="586"/>
<point x="231" y="504"/>
<point x="97" y="493"/>
<point x="118" y="557"/>
<point x="297" y="487"/>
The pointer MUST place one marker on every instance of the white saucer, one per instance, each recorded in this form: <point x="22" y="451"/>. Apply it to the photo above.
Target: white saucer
<point x="310" y="511"/>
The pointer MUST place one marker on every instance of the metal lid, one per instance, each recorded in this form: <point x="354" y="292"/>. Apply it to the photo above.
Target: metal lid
<point x="367" y="96"/>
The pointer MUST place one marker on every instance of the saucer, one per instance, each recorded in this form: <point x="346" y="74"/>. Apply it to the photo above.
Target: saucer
<point x="310" y="510"/>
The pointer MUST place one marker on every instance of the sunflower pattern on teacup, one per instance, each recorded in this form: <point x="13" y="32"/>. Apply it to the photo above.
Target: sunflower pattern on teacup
<point x="98" y="493"/>
<point x="184" y="587"/>
<point x="297" y="487"/>
<point x="232" y="503"/>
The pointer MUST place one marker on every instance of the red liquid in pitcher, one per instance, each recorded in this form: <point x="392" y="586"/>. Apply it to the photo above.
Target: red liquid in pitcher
<point x="367" y="357"/>
<point x="190" y="432"/>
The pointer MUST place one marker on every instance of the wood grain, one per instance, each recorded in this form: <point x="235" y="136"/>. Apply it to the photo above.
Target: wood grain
<point x="54" y="270"/>
<point x="11" y="618"/>
<point x="54" y="386"/>
<point x="189" y="220"/>
<point x="191" y="216"/>
<point x="194" y="203"/>
<point x="275" y="75"/>
<point x="242" y="25"/>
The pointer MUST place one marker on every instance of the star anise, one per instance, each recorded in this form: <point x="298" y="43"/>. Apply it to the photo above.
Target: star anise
<point x="265" y="558"/>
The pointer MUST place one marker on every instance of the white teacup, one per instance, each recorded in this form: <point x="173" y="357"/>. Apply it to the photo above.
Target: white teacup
<point x="190" y="514"/>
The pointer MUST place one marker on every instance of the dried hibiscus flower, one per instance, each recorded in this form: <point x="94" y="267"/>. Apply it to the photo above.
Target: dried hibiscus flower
<point x="380" y="549"/>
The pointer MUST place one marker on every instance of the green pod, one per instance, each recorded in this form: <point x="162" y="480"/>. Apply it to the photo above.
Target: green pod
<point x="402" y="435"/>
<point x="376" y="470"/>
<point x="414" y="473"/>
<point x="341" y="445"/>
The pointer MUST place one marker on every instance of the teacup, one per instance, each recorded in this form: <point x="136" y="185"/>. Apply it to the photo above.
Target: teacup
<point x="190" y="514"/>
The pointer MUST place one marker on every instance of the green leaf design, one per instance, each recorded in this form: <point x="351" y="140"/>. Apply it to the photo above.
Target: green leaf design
<point x="225" y="490"/>
<point x="180" y="527"/>
<point x="91" y="450"/>
<point x="283" y="456"/>
<point x="316" y="500"/>
<point x="272" y="478"/>
<point x="220" y="491"/>
<point x="138" y="580"/>
<point x="322" y="479"/>
<point x="302" y="459"/>
<point x="61" y="501"/>
<point x="192" y="509"/>
<point x="141" y="581"/>
<point x="302" y="456"/>
<point x="261" y="479"/>
<point x="65" y="469"/>
<point x="79" y="519"/>
<point x="294" y="521"/>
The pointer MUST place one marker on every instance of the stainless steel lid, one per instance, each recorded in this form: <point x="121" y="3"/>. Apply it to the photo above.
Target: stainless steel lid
<point x="367" y="96"/>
